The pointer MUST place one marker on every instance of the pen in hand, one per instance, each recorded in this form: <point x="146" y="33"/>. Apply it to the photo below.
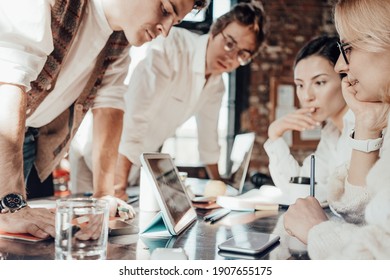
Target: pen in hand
<point x="312" y="175"/>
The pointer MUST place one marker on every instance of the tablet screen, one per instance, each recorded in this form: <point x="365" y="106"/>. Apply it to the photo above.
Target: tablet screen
<point x="171" y="189"/>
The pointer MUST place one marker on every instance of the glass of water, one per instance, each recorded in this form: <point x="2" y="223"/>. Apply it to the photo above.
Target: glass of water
<point x="81" y="229"/>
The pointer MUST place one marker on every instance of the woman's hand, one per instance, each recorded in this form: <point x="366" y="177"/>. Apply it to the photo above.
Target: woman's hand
<point x="299" y="120"/>
<point x="369" y="115"/>
<point x="302" y="216"/>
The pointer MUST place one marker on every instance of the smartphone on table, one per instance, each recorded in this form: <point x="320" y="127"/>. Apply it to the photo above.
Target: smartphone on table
<point x="249" y="242"/>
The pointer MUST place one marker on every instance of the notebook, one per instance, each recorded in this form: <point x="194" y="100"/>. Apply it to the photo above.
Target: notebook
<point x="21" y="236"/>
<point x="240" y="158"/>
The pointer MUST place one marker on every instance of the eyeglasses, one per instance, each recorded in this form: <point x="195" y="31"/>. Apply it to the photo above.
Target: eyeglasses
<point x="344" y="51"/>
<point x="243" y="56"/>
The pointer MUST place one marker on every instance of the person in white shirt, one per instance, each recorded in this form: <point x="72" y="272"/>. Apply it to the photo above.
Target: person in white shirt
<point x="181" y="77"/>
<point x="57" y="59"/>
<point x="318" y="89"/>
<point x="364" y="233"/>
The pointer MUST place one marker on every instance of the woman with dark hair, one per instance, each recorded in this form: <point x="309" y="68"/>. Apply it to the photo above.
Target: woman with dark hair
<point x="318" y="88"/>
<point x="364" y="231"/>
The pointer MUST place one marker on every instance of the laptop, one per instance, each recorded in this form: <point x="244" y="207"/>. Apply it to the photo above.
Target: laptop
<point x="240" y="158"/>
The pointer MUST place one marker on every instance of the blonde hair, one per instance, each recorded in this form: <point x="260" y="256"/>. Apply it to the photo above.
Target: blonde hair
<point x="364" y="23"/>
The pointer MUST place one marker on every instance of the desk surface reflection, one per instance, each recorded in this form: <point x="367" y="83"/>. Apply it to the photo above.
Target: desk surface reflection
<point x="200" y="241"/>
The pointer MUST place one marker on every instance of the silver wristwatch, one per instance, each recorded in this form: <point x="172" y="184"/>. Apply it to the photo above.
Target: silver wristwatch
<point x="12" y="202"/>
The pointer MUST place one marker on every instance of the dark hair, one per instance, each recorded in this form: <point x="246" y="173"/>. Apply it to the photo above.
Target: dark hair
<point x="324" y="46"/>
<point x="200" y="4"/>
<point x="247" y="14"/>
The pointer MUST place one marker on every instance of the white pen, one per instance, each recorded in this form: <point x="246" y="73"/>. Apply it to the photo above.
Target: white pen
<point x="215" y="214"/>
<point x="220" y="215"/>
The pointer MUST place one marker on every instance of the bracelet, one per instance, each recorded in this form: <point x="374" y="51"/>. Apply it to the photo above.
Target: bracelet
<point x="365" y="146"/>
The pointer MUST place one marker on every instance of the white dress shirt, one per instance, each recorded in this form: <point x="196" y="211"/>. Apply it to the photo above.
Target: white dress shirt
<point x="166" y="89"/>
<point x="26" y="40"/>
<point x="332" y="151"/>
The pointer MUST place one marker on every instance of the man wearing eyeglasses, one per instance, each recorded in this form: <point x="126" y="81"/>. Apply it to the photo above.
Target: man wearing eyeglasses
<point x="181" y="77"/>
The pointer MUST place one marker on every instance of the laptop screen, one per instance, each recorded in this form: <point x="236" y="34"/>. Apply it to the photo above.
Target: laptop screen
<point x="240" y="158"/>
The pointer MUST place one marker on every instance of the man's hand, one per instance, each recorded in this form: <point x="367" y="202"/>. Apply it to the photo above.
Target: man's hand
<point x="120" y="192"/>
<point x="39" y="222"/>
<point x="119" y="206"/>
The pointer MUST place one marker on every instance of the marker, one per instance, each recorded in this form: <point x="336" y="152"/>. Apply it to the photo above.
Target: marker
<point x="132" y="199"/>
<point x="312" y="175"/>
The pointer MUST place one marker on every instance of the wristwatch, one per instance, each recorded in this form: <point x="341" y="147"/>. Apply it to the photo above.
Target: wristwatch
<point x="365" y="146"/>
<point x="12" y="202"/>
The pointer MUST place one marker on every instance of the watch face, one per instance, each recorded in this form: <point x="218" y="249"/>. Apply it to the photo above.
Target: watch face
<point x="12" y="201"/>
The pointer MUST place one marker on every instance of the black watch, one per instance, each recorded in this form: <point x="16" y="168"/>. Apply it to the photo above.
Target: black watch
<point x="12" y="202"/>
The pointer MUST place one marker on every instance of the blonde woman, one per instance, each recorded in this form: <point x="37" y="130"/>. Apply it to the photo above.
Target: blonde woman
<point x="363" y="26"/>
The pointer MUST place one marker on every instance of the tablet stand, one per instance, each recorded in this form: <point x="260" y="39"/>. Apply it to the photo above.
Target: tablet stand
<point x="154" y="243"/>
<point x="157" y="227"/>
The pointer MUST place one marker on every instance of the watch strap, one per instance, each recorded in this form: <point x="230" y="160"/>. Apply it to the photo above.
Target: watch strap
<point x="366" y="146"/>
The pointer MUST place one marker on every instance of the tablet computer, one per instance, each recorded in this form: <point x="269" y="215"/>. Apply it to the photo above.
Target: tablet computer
<point x="176" y="207"/>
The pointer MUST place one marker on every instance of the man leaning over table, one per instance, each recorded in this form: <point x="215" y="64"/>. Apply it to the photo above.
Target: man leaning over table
<point x="180" y="77"/>
<point x="58" y="58"/>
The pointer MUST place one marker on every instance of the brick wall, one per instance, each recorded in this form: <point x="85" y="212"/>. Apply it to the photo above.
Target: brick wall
<point x="291" y="24"/>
